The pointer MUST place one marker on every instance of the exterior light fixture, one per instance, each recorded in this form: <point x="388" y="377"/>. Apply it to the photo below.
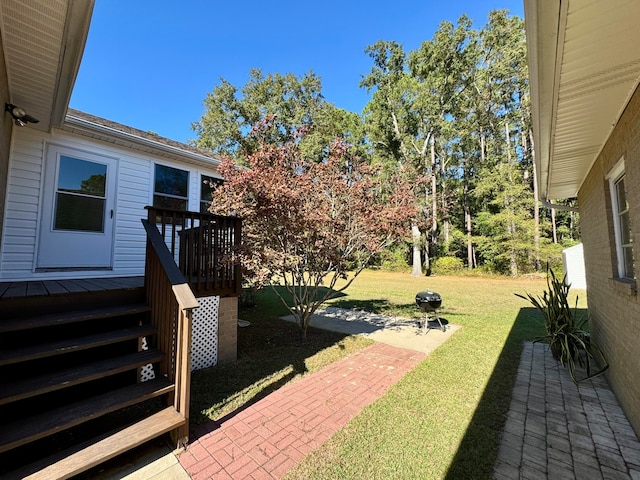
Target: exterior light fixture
<point x="19" y="115"/>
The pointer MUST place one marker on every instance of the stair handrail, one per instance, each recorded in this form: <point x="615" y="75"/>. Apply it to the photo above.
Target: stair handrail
<point x="172" y="316"/>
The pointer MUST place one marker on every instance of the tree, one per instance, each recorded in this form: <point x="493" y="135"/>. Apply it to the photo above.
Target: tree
<point x="509" y="206"/>
<point x="308" y="224"/>
<point x="390" y="122"/>
<point x="444" y="68"/>
<point x="291" y="102"/>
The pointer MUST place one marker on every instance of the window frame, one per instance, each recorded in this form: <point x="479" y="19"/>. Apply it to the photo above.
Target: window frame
<point x="615" y="176"/>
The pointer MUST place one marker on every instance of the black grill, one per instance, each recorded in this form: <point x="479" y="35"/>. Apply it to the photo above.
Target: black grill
<point x="429" y="302"/>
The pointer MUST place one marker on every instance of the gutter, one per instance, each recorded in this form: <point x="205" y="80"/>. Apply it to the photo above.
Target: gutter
<point x="76" y="30"/>
<point x="565" y="208"/>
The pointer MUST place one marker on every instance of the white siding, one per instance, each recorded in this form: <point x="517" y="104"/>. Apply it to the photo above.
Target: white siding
<point x="22" y="204"/>
<point x="194" y="190"/>
<point x="134" y="191"/>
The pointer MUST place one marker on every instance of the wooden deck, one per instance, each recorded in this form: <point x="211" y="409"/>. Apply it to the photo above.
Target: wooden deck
<point x="39" y="288"/>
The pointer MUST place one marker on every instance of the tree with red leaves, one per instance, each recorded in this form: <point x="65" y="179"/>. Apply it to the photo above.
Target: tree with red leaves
<point x="307" y="224"/>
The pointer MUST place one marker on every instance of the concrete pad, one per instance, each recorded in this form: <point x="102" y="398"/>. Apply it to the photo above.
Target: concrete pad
<point x="152" y="461"/>
<point x="396" y="331"/>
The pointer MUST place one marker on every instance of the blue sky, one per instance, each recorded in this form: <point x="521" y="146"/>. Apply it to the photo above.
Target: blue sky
<point x="150" y="63"/>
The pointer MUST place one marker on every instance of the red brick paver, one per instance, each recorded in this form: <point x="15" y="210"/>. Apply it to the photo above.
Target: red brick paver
<point x="271" y="436"/>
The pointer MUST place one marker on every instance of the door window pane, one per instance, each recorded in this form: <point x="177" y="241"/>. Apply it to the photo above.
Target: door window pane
<point x="81" y="176"/>
<point x="78" y="212"/>
<point x="80" y="195"/>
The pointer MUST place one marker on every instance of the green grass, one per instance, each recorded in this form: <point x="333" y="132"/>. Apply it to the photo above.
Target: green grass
<point x="442" y="420"/>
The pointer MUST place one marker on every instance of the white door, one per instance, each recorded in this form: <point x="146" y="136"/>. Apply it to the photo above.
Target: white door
<point x="76" y="230"/>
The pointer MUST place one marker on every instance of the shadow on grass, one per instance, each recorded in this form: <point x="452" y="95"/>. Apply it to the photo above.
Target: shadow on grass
<point x="478" y="450"/>
<point x="320" y="292"/>
<point x="378" y="306"/>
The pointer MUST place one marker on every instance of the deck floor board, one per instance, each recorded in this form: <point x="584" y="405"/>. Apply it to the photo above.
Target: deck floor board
<point x="12" y="290"/>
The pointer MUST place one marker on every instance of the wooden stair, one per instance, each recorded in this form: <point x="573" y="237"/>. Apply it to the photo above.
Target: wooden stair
<point x="70" y="386"/>
<point x="68" y="345"/>
<point x="73" y="461"/>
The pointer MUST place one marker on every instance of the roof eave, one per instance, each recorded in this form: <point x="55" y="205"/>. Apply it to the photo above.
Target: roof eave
<point x="543" y="20"/>
<point x="79" y="14"/>
<point x="91" y="129"/>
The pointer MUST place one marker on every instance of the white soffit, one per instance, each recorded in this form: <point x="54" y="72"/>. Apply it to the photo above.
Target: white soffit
<point x="42" y="43"/>
<point x="585" y="65"/>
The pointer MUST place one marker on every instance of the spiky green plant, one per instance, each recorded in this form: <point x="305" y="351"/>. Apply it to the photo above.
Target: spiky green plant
<point x="566" y="335"/>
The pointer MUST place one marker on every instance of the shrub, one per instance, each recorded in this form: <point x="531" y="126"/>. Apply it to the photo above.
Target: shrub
<point x="551" y="255"/>
<point x="448" y="265"/>
<point x="394" y="259"/>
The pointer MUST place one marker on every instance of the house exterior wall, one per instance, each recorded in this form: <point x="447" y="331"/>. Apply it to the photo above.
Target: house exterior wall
<point x="227" y="330"/>
<point x="613" y="305"/>
<point x="134" y="191"/>
<point x="6" y="126"/>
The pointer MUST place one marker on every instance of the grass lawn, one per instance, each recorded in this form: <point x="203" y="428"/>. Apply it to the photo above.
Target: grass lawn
<point x="442" y="420"/>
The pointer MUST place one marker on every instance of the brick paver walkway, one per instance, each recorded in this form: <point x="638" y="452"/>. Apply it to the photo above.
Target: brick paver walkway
<point x="267" y="439"/>
<point x="556" y="430"/>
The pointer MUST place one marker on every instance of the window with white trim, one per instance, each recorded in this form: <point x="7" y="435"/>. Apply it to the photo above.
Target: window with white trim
<point x="621" y="222"/>
<point x="171" y="188"/>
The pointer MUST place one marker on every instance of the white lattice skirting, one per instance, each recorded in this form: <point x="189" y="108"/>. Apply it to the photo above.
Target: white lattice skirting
<point x="204" y="339"/>
<point x="204" y="342"/>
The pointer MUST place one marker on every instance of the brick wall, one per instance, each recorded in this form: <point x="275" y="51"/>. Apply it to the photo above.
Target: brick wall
<point x="227" y="330"/>
<point x="614" y="307"/>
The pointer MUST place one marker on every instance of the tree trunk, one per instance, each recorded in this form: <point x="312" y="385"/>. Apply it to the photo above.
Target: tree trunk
<point x="416" y="270"/>
<point x="427" y="259"/>
<point x="507" y="137"/>
<point x="467" y="219"/>
<point x="511" y="228"/>
<point x="432" y="244"/>
<point x="446" y="223"/>
<point x="572" y="225"/>
<point x="553" y="225"/>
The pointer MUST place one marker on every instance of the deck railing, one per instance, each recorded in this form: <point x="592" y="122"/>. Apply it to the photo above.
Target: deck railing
<point x="203" y="245"/>
<point x="171" y="301"/>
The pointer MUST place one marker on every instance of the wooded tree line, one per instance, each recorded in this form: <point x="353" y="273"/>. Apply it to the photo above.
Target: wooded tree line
<point x="453" y="116"/>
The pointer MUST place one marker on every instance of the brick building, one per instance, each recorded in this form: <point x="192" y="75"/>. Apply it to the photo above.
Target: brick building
<point x="584" y="66"/>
